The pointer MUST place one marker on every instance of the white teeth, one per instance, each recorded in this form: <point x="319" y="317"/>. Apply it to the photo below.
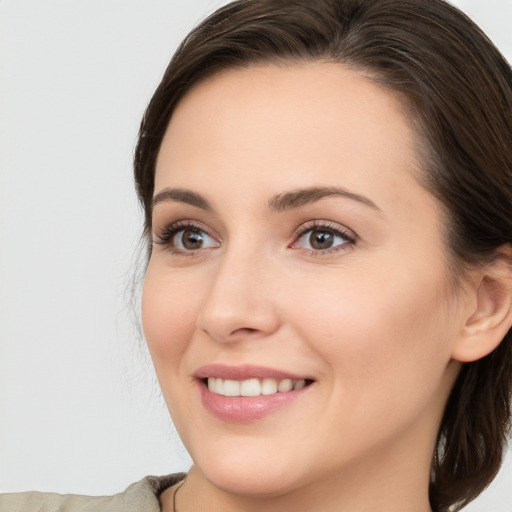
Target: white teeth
<point x="253" y="387"/>
<point x="219" y="386"/>
<point x="231" y="388"/>
<point x="285" y="385"/>
<point x="299" y="384"/>
<point x="268" y="386"/>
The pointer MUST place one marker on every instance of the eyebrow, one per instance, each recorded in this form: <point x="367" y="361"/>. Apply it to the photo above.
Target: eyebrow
<point x="279" y="203"/>
<point x="302" y="197"/>
<point x="182" y="196"/>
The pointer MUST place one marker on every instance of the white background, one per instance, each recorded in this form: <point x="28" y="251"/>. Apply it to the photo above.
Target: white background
<point x="80" y="410"/>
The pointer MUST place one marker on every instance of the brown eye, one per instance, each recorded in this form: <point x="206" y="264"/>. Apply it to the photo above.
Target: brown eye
<point x="319" y="239"/>
<point x="190" y="239"/>
<point x="323" y="238"/>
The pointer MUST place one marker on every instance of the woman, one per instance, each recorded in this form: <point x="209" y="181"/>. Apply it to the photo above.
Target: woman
<point x="326" y="188"/>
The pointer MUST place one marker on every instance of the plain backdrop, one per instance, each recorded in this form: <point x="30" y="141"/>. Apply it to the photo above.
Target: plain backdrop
<point x="80" y="410"/>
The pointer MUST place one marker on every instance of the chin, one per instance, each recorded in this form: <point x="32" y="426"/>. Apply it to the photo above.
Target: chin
<point x="249" y="476"/>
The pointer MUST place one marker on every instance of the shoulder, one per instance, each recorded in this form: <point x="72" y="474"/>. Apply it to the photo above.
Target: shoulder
<point x="141" y="496"/>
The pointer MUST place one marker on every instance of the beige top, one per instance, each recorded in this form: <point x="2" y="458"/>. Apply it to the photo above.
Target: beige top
<point x="139" y="497"/>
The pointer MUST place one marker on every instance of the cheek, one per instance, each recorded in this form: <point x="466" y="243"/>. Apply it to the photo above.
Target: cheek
<point x="371" y="328"/>
<point x="168" y="317"/>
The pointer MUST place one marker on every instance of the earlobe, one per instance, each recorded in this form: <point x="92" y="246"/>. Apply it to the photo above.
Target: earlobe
<point x="491" y="318"/>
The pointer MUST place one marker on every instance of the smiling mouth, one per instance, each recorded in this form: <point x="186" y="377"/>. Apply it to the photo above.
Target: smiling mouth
<point x="246" y="393"/>
<point x="253" y="386"/>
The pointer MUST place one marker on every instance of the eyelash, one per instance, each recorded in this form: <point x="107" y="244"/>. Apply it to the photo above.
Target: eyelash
<point x="171" y="230"/>
<point x="328" y="227"/>
<point x="165" y="237"/>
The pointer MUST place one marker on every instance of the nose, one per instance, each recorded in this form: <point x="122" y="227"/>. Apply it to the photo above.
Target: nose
<point x="240" y="303"/>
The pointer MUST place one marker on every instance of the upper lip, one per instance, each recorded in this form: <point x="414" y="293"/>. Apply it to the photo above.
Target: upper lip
<point x="244" y="372"/>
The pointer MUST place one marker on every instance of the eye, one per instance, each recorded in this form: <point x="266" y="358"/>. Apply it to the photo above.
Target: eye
<point x="322" y="238"/>
<point x="192" y="239"/>
<point x="186" y="238"/>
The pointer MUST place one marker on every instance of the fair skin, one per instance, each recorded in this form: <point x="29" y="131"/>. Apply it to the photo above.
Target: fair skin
<point x="346" y="287"/>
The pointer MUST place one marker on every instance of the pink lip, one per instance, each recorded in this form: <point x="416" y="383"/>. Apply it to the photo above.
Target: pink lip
<point x="244" y="409"/>
<point x="243" y="372"/>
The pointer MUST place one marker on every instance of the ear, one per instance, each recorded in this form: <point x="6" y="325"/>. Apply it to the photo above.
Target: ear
<point x="490" y="316"/>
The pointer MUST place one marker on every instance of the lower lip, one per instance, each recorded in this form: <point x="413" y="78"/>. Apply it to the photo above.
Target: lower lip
<point x="245" y="409"/>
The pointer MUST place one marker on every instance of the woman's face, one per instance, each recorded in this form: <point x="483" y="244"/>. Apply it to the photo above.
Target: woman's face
<point x="295" y="248"/>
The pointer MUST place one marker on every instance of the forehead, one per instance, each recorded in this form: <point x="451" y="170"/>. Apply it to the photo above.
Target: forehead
<point x="281" y="124"/>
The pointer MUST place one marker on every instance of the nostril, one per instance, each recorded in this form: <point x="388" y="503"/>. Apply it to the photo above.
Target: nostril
<point x="244" y="330"/>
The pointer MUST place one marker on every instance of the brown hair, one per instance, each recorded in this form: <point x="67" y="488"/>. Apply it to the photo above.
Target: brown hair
<point x="459" y="91"/>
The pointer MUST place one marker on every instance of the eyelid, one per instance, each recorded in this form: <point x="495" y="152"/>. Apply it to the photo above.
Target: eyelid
<point x="164" y="235"/>
<point x="324" y="225"/>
